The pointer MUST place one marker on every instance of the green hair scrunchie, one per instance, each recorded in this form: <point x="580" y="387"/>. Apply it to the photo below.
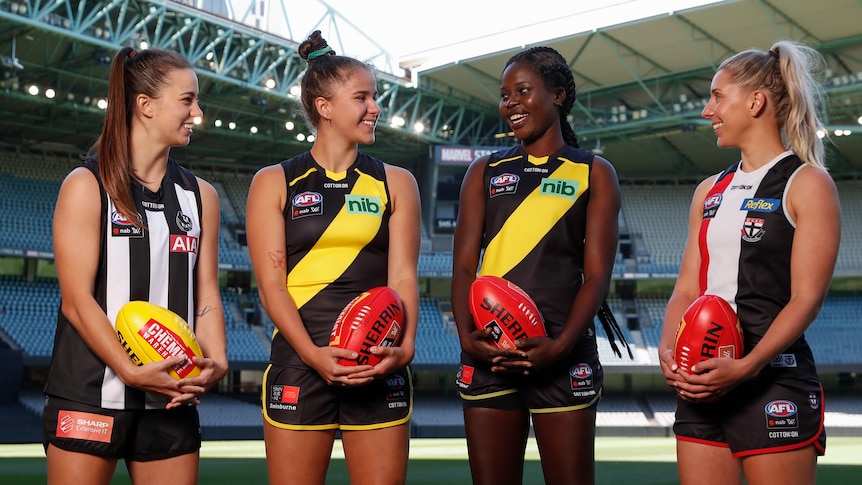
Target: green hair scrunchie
<point x="318" y="53"/>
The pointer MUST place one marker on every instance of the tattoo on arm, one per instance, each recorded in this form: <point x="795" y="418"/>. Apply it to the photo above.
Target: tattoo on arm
<point x="277" y="258"/>
<point x="205" y="310"/>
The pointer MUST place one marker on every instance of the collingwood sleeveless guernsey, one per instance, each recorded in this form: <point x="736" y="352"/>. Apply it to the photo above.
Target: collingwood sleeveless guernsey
<point x="337" y="234"/>
<point x="535" y="224"/>
<point x="155" y="264"/>
<point x="745" y="243"/>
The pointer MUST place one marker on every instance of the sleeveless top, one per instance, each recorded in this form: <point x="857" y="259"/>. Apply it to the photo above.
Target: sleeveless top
<point x="746" y="241"/>
<point x="337" y="234"/>
<point x="535" y="225"/>
<point x="155" y="263"/>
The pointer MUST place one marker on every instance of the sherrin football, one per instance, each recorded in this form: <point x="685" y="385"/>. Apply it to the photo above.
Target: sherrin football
<point x="151" y="333"/>
<point x="374" y="318"/>
<point x="507" y="309"/>
<point x="709" y="329"/>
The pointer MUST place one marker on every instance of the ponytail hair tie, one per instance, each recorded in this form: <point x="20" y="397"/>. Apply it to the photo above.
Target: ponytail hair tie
<point x="774" y="53"/>
<point x="133" y="53"/>
<point x="319" y="53"/>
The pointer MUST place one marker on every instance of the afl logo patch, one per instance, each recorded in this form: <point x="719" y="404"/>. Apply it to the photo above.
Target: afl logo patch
<point x="781" y="409"/>
<point x="502" y="184"/>
<point x="307" y="204"/>
<point x="396" y="382"/>
<point x="581" y="371"/>
<point x="710" y="205"/>
<point x="122" y="226"/>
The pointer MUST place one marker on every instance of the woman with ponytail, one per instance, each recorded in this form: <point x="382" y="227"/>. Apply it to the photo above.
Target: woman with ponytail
<point x="559" y="248"/>
<point x="313" y="252"/>
<point x="131" y="224"/>
<point x="763" y="234"/>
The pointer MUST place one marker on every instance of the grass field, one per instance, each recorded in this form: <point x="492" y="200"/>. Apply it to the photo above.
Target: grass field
<point x="640" y="461"/>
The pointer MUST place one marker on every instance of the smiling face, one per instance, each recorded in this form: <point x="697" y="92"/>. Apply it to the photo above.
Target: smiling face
<point x="527" y="104"/>
<point x="728" y="111"/>
<point x="176" y="108"/>
<point x="352" y="108"/>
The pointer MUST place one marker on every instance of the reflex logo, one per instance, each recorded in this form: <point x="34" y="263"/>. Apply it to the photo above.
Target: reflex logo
<point x="559" y="187"/>
<point x="760" y="205"/>
<point x="363" y="204"/>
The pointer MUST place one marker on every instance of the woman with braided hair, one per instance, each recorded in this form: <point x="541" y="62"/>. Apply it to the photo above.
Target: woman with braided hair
<point x="311" y="260"/>
<point x="553" y="232"/>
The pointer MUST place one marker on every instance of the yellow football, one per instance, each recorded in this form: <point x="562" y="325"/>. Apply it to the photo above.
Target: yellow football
<point x="150" y="333"/>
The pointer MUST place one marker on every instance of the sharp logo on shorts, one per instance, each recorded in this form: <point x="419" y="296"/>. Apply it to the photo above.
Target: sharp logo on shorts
<point x="283" y="397"/>
<point x="307" y="204"/>
<point x="752" y="229"/>
<point x="464" y="377"/>
<point x="502" y="184"/>
<point x="363" y="204"/>
<point x="122" y="226"/>
<point x="84" y="426"/>
<point x="181" y="243"/>
<point x="760" y="205"/>
<point x="559" y="187"/>
<point x="781" y="414"/>
<point x="710" y="205"/>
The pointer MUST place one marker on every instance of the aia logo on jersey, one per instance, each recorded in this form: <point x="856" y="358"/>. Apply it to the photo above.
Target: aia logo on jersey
<point x="503" y="184"/>
<point x="182" y="243"/>
<point x="121" y="226"/>
<point x="752" y="229"/>
<point x="306" y="204"/>
<point x="710" y="205"/>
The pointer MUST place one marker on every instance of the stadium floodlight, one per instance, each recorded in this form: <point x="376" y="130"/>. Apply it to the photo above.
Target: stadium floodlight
<point x="12" y="62"/>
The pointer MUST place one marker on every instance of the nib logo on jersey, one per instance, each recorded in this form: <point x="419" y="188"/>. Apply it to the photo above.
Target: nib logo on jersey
<point x="121" y="226"/>
<point x="363" y="204"/>
<point x="306" y="204"/>
<point x="559" y="188"/>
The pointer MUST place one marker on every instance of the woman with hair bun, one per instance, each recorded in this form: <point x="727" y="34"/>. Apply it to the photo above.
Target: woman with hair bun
<point x="117" y="221"/>
<point x="312" y="254"/>
<point x="764" y="235"/>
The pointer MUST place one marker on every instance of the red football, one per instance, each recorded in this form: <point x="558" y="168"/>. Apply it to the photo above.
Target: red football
<point x="709" y="329"/>
<point x="505" y="308"/>
<point x="374" y="318"/>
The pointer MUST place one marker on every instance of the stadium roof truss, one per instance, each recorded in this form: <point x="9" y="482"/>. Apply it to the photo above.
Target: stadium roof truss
<point x="641" y="85"/>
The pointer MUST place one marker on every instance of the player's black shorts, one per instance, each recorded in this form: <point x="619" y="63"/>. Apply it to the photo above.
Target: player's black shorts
<point x="758" y="417"/>
<point x="574" y="384"/>
<point x="136" y="435"/>
<point x="299" y="399"/>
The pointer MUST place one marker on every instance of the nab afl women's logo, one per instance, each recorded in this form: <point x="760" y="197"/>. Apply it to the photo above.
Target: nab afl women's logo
<point x="307" y="204"/>
<point x="506" y="183"/>
<point x="710" y="205"/>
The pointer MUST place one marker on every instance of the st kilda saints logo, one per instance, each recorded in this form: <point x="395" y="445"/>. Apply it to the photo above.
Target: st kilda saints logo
<point x="752" y="229"/>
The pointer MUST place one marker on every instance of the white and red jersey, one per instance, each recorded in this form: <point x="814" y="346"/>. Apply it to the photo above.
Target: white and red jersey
<point x="745" y="242"/>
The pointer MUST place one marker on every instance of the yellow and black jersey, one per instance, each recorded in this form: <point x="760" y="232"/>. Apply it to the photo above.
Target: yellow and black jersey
<point x="535" y="224"/>
<point x="337" y="234"/>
